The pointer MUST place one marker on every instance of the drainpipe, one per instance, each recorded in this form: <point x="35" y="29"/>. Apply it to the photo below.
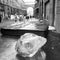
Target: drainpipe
<point x="41" y="9"/>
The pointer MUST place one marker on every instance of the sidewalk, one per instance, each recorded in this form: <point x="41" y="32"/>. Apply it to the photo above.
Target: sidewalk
<point x="5" y="23"/>
<point x="9" y="22"/>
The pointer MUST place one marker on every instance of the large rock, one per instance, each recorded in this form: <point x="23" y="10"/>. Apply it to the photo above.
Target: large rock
<point x="29" y="44"/>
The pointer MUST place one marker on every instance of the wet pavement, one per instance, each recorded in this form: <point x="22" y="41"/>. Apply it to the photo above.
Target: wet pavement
<point x="7" y="48"/>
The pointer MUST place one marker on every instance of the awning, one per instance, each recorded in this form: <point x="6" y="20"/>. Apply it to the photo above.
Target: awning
<point x="19" y="4"/>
